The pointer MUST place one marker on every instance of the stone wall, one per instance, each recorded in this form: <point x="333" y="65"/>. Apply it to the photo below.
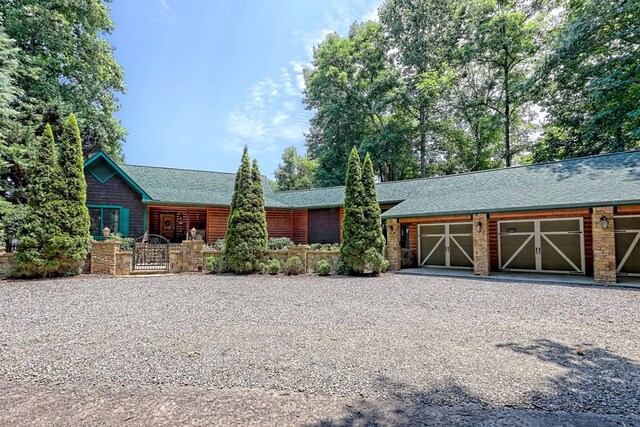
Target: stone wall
<point x="604" y="246"/>
<point x="481" y="253"/>
<point x="308" y="256"/>
<point x="192" y="255"/>
<point x="394" y="252"/>
<point x="103" y="257"/>
<point x="123" y="263"/>
<point x="7" y="263"/>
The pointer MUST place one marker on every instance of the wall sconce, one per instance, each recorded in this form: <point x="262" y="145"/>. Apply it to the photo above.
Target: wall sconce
<point x="106" y="232"/>
<point x="479" y="227"/>
<point x="193" y="233"/>
<point x="604" y="222"/>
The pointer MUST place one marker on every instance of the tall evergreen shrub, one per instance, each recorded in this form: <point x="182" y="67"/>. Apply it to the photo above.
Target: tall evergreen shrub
<point x="353" y="234"/>
<point x="74" y="241"/>
<point x="36" y="256"/>
<point x="245" y="240"/>
<point x="375" y="246"/>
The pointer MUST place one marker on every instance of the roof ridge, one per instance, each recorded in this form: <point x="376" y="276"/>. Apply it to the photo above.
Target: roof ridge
<point x="179" y="169"/>
<point x="513" y="167"/>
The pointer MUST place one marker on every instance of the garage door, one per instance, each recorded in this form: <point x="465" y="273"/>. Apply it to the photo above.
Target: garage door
<point x="542" y="245"/>
<point x="446" y="245"/>
<point x="628" y="245"/>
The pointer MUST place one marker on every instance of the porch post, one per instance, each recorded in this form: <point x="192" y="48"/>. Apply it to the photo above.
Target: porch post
<point x="394" y="252"/>
<point x="481" y="253"/>
<point x="604" y="245"/>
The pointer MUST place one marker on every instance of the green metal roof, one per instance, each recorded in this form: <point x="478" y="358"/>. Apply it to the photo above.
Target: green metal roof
<point x="611" y="179"/>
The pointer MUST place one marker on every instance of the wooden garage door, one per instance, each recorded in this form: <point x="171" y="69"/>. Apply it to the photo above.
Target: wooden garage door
<point x="446" y="245"/>
<point x="628" y="245"/>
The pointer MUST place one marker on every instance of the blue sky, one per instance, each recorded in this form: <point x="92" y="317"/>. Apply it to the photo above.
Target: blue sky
<point x="206" y="77"/>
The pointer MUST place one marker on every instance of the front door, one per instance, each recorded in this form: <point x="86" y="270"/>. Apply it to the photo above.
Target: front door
<point x="168" y="225"/>
<point x="542" y="245"/>
<point x="446" y="245"/>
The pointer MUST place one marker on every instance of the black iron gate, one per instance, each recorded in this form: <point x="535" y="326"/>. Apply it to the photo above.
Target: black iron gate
<point x="150" y="252"/>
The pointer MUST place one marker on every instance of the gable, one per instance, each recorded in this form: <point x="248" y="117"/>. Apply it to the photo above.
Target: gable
<point x="102" y="168"/>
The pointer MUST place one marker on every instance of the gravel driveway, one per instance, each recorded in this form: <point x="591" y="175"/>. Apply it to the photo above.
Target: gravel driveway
<point x="387" y="350"/>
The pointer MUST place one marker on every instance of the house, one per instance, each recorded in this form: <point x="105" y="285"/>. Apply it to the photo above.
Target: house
<point x="576" y="216"/>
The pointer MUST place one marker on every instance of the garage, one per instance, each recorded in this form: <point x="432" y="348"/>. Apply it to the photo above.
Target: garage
<point x="542" y="245"/>
<point x="447" y="245"/>
<point x="627" y="231"/>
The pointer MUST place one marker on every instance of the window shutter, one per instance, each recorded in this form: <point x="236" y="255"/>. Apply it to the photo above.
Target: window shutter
<point x="124" y="222"/>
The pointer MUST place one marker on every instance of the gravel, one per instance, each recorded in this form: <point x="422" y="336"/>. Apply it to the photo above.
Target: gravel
<point x="410" y="341"/>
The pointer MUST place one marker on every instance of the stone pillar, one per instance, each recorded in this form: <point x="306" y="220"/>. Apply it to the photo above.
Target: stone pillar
<point x="103" y="257"/>
<point x="123" y="266"/>
<point x="192" y="255"/>
<point x="481" y="254"/>
<point x="394" y="252"/>
<point x="604" y="246"/>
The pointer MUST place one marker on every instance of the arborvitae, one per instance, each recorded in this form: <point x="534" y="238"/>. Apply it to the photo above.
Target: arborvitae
<point x="353" y="243"/>
<point x="75" y="239"/>
<point x="261" y="215"/>
<point x="35" y="256"/>
<point x="375" y="243"/>
<point x="244" y="239"/>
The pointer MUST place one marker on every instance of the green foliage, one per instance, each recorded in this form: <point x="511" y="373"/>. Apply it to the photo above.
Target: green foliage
<point x="356" y="95"/>
<point x="323" y="267"/>
<point x="126" y="243"/>
<point x="353" y="232"/>
<point x="215" y="265"/>
<point x="325" y="246"/>
<point x="294" y="266"/>
<point x="246" y="237"/>
<point x="38" y="253"/>
<point x="591" y="81"/>
<point x="372" y="225"/>
<point x="272" y="266"/>
<point x="218" y="245"/>
<point x="277" y="243"/>
<point x="295" y="172"/>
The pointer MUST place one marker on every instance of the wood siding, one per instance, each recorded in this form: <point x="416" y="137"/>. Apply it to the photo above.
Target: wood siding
<point x="324" y="225"/>
<point x="191" y="218"/>
<point x="116" y="192"/>
<point x="217" y="218"/>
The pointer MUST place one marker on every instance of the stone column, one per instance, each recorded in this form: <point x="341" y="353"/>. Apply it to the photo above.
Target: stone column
<point x="394" y="252"/>
<point x="103" y="257"/>
<point x="481" y="253"/>
<point x="192" y="255"/>
<point x="604" y="246"/>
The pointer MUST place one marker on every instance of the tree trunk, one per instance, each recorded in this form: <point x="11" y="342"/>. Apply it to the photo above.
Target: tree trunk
<point x="423" y="144"/>
<point x="507" y="113"/>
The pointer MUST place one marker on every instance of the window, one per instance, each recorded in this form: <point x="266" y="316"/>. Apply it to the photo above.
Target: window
<point x="114" y="217"/>
<point x="404" y="236"/>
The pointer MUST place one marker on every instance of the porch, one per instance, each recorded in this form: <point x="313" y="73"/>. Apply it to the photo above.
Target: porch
<point x="175" y="222"/>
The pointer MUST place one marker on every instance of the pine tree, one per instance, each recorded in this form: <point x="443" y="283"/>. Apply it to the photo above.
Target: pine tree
<point x="74" y="241"/>
<point x="35" y="256"/>
<point x="245" y="240"/>
<point x="353" y="243"/>
<point x="261" y="214"/>
<point x="375" y="243"/>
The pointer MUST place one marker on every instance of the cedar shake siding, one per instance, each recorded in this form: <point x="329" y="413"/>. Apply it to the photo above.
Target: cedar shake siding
<point x="324" y="225"/>
<point x="116" y="192"/>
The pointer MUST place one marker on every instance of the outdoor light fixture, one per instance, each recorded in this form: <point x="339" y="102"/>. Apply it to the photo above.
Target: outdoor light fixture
<point x="479" y="227"/>
<point x="106" y="232"/>
<point x="604" y="222"/>
<point x="193" y="233"/>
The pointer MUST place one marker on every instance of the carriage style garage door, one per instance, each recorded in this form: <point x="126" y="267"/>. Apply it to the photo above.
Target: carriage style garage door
<point x="446" y="245"/>
<point x="542" y="245"/>
<point x="628" y="245"/>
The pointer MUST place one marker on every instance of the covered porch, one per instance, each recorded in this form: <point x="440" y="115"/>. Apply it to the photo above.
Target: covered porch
<point x="175" y="222"/>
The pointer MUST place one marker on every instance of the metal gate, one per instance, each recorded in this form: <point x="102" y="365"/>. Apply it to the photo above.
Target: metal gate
<point x="150" y="252"/>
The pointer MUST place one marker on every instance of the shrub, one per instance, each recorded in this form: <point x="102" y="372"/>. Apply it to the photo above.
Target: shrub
<point x="246" y="238"/>
<point x="126" y="243"/>
<point x="277" y="243"/>
<point x="218" y="245"/>
<point x="272" y="267"/>
<point x="215" y="264"/>
<point x="294" y="265"/>
<point x="323" y="267"/>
